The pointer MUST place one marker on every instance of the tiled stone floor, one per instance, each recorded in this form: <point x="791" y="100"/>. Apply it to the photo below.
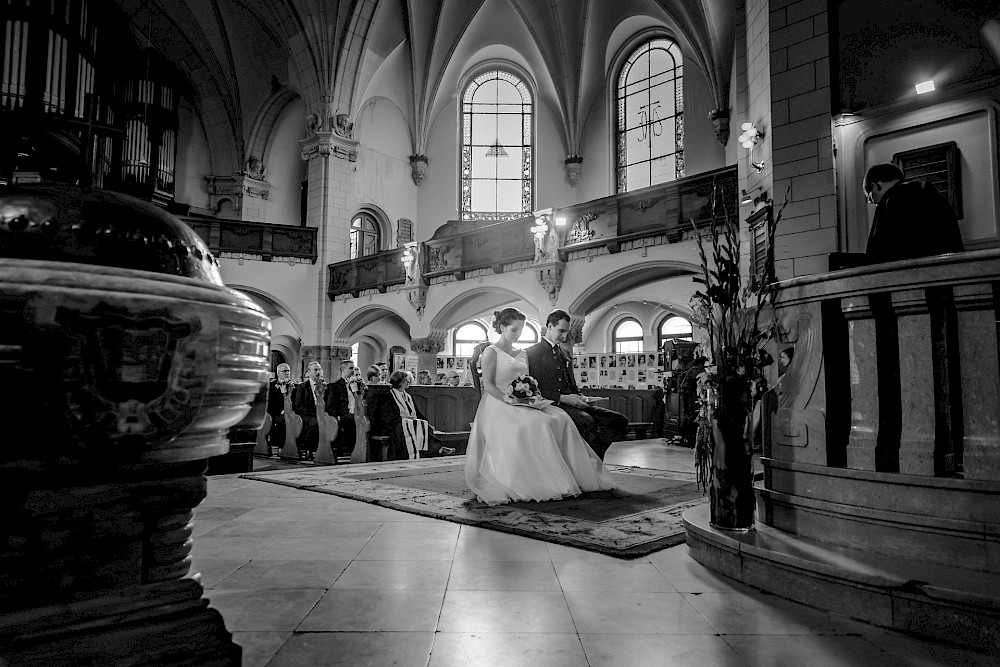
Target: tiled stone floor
<point x="303" y="578"/>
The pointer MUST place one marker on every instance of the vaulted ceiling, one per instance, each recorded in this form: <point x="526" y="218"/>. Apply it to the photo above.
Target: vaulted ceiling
<point x="238" y="53"/>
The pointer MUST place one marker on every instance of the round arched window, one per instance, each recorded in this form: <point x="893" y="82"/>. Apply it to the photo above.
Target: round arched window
<point x="366" y="236"/>
<point x="627" y="336"/>
<point x="674" y="328"/>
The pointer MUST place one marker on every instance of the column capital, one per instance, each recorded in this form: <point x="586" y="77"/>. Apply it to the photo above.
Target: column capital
<point x="432" y="344"/>
<point x="324" y="143"/>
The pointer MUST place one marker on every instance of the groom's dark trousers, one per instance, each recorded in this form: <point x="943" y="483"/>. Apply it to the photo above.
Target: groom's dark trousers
<point x="551" y="367"/>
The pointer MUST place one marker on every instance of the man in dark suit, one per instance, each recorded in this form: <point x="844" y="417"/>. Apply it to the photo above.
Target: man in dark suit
<point x="911" y="219"/>
<point x="276" y="392"/>
<point x="304" y="405"/>
<point x="549" y="364"/>
<point x="341" y="405"/>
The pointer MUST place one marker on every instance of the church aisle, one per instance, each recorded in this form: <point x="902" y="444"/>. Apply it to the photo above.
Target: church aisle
<point x="309" y="579"/>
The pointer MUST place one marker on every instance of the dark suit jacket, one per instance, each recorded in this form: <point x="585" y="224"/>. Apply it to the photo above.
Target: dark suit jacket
<point x="912" y="220"/>
<point x="336" y="401"/>
<point x="545" y="369"/>
<point x="276" y="401"/>
<point x="304" y="404"/>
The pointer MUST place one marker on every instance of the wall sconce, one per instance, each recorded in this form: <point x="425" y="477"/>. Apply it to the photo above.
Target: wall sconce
<point x="561" y="221"/>
<point x="409" y="256"/>
<point x="924" y="87"/>
<point x="749" y="139"/>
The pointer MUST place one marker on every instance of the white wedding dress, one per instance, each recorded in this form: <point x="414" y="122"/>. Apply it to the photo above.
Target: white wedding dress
<point x="522" y="453"/>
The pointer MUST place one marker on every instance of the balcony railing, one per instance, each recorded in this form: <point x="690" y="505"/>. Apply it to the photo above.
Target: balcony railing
<point x="666" y="209"/>
<point x="257" y="240"/>
<point x="660" y="214"/>
<point x="378" y="271"/>
<point x="496" y="246"/>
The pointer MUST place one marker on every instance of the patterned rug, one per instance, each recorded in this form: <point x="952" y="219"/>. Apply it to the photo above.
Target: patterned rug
<point x="642" y="514"/>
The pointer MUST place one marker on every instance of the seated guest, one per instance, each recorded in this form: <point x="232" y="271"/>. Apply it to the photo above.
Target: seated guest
<point x="424" y="378"/>
<point x="280" y="387"/>
<point x="341" y="406"/>
<point x="408" y="430"/>
<point x="373" y="375"/>
<point x="453" y="378"/>
<point x="384" y="369"/>
<point x="304" y="398"/>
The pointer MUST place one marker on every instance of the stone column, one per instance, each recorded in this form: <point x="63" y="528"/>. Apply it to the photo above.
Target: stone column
<point x="427" y="350"/>
<point x="330" y="204"/>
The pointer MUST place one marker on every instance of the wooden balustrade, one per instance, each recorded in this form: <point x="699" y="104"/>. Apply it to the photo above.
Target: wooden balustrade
<point x="495" y="245"/>
<point x="461" y="247"/>
<point x="256" y="240"/>
<point x="377" y="271"/>
<point x="662" y="209"/>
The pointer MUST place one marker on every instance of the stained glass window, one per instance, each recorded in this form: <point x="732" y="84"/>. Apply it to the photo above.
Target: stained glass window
<point x="497" y="165"/>
<point x="649" y="127"/>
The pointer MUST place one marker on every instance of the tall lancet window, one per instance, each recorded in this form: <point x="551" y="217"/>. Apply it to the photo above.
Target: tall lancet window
<point x="649" y="128"/>
<point x="497" y="165"/>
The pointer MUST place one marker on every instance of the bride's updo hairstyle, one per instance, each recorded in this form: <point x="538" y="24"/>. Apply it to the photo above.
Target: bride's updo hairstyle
<point x="502" y="318"/>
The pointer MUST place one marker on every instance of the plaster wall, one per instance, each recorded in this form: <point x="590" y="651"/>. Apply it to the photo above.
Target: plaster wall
<point x="285" y="167"/>
<point x="194" y="161"/>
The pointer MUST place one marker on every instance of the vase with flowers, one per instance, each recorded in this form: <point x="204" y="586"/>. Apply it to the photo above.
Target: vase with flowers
<point x="733" y="308"/>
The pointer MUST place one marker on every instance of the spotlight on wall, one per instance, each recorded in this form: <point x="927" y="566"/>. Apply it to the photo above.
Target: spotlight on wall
<point x="924" y="87"/>
<point x="747" y="197"/>
<point x="561" y="221"/>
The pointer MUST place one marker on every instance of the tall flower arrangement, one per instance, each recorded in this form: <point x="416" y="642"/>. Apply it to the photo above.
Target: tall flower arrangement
<point x="732" y="308"/>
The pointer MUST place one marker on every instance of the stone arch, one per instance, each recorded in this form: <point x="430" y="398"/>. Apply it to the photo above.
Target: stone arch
<point x="366" y="316"/>
<point x="272" y="305"/>
<point x="472" y="303"/>
<point x="618" y="282"/>
<point x="267" y="116"/>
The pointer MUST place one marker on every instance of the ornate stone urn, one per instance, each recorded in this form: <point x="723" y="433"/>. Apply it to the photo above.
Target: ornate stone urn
<point x="123" y="363"/>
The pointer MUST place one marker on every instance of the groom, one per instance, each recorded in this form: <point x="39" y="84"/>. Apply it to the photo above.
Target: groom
<point x="549" y="364"/>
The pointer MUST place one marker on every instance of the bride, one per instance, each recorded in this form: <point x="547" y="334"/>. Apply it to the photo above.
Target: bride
<point x="519" y="452"/>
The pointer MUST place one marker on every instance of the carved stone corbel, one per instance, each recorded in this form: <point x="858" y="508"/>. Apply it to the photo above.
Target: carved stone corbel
<point x="720" y="124"/>
<point x="550" y="276"/>
<point x="417" y="297"/>
<point x="574" y="165"/>
<point x="418" y="167"/>
<point x="575" y="336"/>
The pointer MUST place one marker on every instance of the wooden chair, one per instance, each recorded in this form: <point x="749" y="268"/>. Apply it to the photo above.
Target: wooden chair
<point x="477" y="381"/>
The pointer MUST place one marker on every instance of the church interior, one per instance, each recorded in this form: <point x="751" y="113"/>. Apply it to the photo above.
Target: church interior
<point x="379" y="178"/>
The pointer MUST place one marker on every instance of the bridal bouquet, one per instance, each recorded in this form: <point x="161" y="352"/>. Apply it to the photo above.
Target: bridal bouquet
<point x="523" y="390"/>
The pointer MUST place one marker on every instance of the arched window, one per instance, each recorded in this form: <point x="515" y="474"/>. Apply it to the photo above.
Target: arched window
<point x="496" y="148"/>
<point x="627" y="336"/>
<point x="674" y="328"/>
<point x="467" y="337"/>
<point x="529" y="336"/>
<point x="366" y="235"/>
<point x="649" y="126"/>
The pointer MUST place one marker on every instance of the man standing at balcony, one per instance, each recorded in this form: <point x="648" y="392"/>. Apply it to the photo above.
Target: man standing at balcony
<point x="911" y="220"/>
<point x="549" y="364"/>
